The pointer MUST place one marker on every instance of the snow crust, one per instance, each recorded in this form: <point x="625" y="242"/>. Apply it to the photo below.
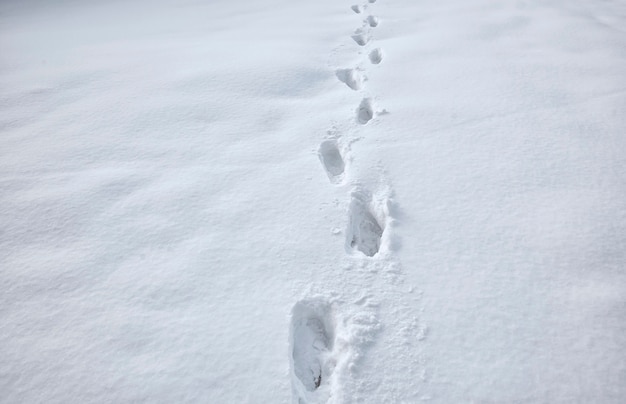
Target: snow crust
<point x="389" y="201"/>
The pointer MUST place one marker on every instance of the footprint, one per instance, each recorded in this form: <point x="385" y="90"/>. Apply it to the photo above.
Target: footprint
<point x="376" y="56"/>
<point x="312" y="339"/>
<point x="365" y="113"/>
<point x="372" y="1"/>
<point x="372" y="21"/>
<point x="331" y="159"/>
<point x="356" y="8"/>
<point x="365" y="230"/>
<point x="351" y="77"/>
<point x="361" y="37"/>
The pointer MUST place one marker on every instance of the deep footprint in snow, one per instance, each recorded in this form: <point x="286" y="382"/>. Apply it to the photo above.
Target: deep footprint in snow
<point x="356" y="8"/>
<point x="372" y="21"/>
<point x="361" y="37"/>
<point x="351" y="77"/>
<point x="376" y="56"/>
<point x="312" y="339"/>
<point x="365" y="112"/>
<point x="332" y="160"/>
<point x="365" y="230"/>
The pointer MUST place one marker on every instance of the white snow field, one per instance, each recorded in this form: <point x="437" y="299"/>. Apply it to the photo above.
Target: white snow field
<point x="290" y="201"/>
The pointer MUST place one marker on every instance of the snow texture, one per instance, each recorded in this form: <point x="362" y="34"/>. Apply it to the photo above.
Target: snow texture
<point x="393" y="201"/>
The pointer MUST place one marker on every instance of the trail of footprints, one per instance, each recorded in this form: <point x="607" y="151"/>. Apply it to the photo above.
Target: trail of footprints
<point x="313" y="324"/>
<point x="353" y="78"/>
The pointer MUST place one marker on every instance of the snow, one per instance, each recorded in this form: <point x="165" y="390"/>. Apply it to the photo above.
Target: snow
<point x="385" y="201"/>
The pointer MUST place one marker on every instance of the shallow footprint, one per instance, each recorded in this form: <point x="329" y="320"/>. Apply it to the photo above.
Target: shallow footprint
<point x="312" y="339"/>
<point x="356" y="8"/>
<point x="332" y="160"/>
<point x="351" y="77"/>
<point x="376" y="56"/>
<point x="365" y="113"/>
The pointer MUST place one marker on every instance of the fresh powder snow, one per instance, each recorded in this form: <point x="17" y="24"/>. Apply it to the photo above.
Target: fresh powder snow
<point x="392" y="201"/>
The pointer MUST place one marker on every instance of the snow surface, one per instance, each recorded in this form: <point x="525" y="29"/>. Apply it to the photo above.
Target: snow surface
<point x="392" y="201"/>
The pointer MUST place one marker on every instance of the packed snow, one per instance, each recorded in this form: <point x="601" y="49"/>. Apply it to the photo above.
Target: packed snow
<point x="392" y="201"/>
